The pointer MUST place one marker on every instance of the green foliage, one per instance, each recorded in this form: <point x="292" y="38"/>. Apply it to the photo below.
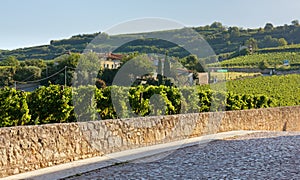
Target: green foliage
<point x="140" y="65"/>
<point x="191" y="62"/>
<point x="282" y="42"/>
<point x="269" y="41"/>
<point x="70" y="61"/>
<point x="159" y="67"/>
<point x="27" y="73"/>
<point x="190" y="102"/>
<point x="251" y="42"/>
<point x="295" y="22"/>
<point x="120" y="102"/>
<point x="268" y="27"/>
<point x="87" y="69"/>
<point x="35" y="62"/>
<point x="157" y="100"/>
<point x="234" y="32"/>
<point x="13" y="108"/>
<point x="54" y="104"/>
<point x="167" y="67"/>
<point x="216" y="25"/>
<point x="164" y="100"/>
<point x="287" y="48"/>
<point x="10" y="61"/>
<point x="255" y="60"/>
<point x="104" y="103"/>
<point x="108" y="76"/>
<point x="282" y="90"/>
<point x="51" y="104"/>
<point x="263" y="65"/>
<point x="85" y="103"/>
<point x="6" y="75"/>
<point x="221" y="39"/>
<point x="241" y="102"/>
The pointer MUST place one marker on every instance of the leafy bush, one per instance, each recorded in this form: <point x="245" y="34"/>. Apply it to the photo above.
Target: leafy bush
<point x="27" y="73"/>
<point x="51" y="104"/>
<point x="13" y="108"/>
<point x="54" y="104"/>
<point x="85" y="103"/>
<point x="6" y="75"/>
<point x="190" y="100"/>
<point x="104" y="104"/>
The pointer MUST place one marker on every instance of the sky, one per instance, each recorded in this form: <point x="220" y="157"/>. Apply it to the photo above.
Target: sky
<point x="26" y="23"/>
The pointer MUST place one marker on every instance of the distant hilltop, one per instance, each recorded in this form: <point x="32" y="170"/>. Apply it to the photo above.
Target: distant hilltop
<point x="221" y="38"/>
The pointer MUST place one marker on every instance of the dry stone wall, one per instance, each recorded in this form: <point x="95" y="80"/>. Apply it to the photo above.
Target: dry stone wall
<point x="27" y="148"/>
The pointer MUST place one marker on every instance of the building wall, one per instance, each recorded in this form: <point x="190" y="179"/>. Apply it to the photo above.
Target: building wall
<point x="110" y="64"/>
<point x="203" y="78"/>
<point x="27" y="148"/>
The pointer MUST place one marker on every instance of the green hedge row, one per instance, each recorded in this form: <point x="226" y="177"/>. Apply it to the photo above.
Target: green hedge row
<point x="58" y="104"/>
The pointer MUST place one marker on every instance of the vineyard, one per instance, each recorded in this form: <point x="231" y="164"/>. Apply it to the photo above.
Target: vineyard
<point x="54" y="104"/>
<point x="272" y="59"/>
<point x="59" y="104"/>
<point x="287" y="48"/>
<point x="283" y="90"/>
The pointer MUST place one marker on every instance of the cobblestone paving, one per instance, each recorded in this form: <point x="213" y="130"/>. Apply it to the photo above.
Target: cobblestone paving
<point x="272" y="155"/>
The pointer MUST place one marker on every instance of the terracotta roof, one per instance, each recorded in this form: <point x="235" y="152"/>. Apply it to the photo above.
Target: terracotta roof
<point x="114" y="56"/>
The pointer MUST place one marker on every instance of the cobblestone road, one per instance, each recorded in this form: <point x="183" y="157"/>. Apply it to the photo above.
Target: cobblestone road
<point x="273" y="155"/>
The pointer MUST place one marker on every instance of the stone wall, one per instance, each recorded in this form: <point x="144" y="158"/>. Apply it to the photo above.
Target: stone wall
<point x="27" y="148"/>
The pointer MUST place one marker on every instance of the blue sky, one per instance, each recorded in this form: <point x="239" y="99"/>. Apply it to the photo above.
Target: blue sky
<point x="35" y="22"/>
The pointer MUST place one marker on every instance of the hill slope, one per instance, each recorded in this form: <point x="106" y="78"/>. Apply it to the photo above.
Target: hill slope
<point x="220" y="38"/>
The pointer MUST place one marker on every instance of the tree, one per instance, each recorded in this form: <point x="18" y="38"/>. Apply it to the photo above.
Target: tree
<point x="35" y="62"/>
<point x="191" y="59"/>
<point x="159" y="72"/>
<point x="268" y="27"/>
<point x="159" y="67"/>
<point x="108" y="76"/>
<point x="167" y="67"/>
<point x="226" y="35"/>
<point x="269" y="41"/>
<point x="10" y="61"/>
<point x="282" y="42"/>
<point x="87" y="69"/>
<point x="6" y="75"/>
<point x="27" y="73"/>
<point x="234" y="31"/>
<point x="65" y="61"/>
<point x="295" y="22"/>
<point x="216" y="25"/>
<point x="69" y="60"/>
<point x="200" y="66"/>
<point x="251" y="42"/>
<point x="101" y="38"/>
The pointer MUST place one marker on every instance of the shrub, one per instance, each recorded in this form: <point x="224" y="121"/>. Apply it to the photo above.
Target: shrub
<point x="51" y="104"/>
<point x="13" y="108"/>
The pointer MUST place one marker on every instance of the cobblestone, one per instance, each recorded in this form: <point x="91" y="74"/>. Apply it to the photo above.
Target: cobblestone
<point x="268" y="155"/>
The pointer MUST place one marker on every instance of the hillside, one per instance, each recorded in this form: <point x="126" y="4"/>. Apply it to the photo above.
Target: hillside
<point x="222" y="39"/>
<point x="257" y="60"/>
